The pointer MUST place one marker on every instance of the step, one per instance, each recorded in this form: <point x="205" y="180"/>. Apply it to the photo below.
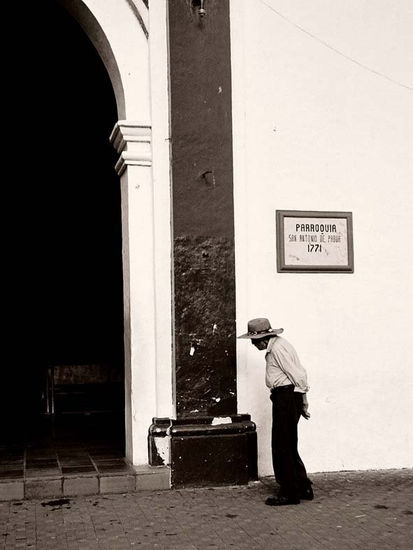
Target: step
<point x="134" y="478"/>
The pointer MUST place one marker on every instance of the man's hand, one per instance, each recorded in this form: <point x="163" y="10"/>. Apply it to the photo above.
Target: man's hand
<point x="305" y="412"/>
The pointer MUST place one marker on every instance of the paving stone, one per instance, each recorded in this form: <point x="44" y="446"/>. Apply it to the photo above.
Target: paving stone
<point x="117" y="484"/>
<point x="11" y="473"/>
<point x="82" y="485"/>
<point x="154" y="479"/>
<point x="40" y="488"/>
<point x="351" y="511"/>
<point x="42" y="472"/>
<point x="11" y="490"/>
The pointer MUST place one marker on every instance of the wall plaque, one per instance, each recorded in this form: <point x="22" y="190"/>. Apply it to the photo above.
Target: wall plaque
<point x="313" y="242"/>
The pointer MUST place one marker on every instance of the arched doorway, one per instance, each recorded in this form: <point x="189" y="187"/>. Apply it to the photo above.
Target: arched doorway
<point x="71" y="302"/>
<point x="41" y="149"/>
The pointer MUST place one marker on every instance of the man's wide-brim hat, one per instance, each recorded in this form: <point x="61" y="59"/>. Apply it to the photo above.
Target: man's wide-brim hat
<point x="259" y="328"/>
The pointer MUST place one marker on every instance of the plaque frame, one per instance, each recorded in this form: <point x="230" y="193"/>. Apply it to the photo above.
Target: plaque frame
<point x="283" y="267"/>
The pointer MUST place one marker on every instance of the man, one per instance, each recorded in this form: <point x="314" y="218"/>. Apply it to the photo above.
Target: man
<point x="287" y="380"/>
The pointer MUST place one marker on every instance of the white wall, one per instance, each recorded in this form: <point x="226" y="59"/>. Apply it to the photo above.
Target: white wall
<point x="314" y="130"/>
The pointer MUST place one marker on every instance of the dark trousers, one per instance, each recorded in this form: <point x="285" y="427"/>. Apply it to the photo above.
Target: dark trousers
<point x="289" y="470"/>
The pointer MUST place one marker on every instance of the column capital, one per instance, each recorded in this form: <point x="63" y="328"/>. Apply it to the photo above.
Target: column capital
<point x="132" y="140"/>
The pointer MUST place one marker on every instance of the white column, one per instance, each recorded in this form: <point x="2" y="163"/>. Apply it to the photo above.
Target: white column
<point x="133" y="142"/>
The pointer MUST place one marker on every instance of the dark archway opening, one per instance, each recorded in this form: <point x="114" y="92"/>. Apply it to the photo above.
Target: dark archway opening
<point x="65" y="292"/>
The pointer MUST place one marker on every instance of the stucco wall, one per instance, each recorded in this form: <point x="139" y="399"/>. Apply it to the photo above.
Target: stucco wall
<point x="316" y="130"/>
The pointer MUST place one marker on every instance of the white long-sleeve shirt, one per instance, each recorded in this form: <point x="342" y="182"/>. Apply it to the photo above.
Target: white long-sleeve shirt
<point x="283" y="366"/>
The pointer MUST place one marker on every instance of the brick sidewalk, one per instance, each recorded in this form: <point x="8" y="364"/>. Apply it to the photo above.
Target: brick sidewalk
<point x="367" y="510"/>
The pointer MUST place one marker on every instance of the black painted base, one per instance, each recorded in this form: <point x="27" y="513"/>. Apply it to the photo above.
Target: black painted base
<point x="203" y="452"/>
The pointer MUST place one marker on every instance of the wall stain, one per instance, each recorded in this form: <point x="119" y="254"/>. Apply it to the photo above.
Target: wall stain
<point x="205" y="325"/>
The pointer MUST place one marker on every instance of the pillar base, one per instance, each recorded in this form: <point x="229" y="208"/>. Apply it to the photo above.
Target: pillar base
<point x="205" y="451"/>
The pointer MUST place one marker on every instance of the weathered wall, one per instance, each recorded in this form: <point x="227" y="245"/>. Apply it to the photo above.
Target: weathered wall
<point x="314" y="130"/>
<point x="203" y="225"/>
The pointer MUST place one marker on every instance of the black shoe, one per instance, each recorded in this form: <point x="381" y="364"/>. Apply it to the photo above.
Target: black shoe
<point x="307" y="494"/>
<point x="281" y="501"/>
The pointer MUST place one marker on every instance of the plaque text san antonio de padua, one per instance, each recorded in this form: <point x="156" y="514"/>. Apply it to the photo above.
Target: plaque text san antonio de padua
<point x="314" y="241"/>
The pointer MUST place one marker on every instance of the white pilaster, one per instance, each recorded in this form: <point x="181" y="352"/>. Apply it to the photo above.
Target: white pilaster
<point x="133" y="143"/>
